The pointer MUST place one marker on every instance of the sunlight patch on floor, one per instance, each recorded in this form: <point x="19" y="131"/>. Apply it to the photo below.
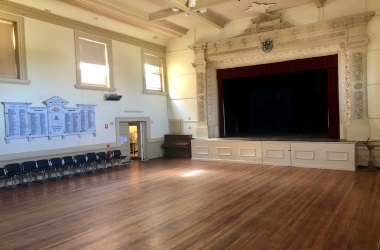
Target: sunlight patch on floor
<point x="192" y="173"/>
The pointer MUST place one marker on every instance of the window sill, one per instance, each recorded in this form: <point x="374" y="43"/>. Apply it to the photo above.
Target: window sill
<point x="14" y="81"/>
<point x="77" y="86"/>
<point x="152" y="92"/>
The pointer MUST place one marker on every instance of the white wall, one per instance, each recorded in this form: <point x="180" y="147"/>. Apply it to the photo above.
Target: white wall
<point x="178" y="53"/>
<point x="373" y="62"/>
<point x="182" y="83"/>
<point x="51" y="69"/>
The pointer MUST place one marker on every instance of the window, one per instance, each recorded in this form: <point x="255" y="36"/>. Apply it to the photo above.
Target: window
<point x="12" y="50"/>
<point x="93" y="61"/>
<point x="153" y="72"/>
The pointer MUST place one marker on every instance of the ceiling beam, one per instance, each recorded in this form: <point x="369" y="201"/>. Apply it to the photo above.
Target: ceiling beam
<point x="172" y="26"/>
<point x="162" y="14"/>
<point x="208" y="17"/>
<point x="179" y="4"/>
<point x="134" y="20"/>
<point x="209" y="3"/>
<point x="319" y="3"/>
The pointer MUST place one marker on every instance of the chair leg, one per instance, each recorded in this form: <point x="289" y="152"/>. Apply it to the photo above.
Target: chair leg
<point x="58" y="171"/>
<point x="7" y="182"/>
<point x="44" y="176"/>
<point x="29" y="178"/>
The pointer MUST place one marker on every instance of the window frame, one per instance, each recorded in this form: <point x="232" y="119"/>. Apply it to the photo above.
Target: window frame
<point x="162" y="70"/>
<point x="79" y="84"/>
<point x="20" y="52"/>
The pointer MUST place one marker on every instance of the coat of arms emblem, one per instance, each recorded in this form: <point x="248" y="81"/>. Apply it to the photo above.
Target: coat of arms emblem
<point x="267" y="45"/>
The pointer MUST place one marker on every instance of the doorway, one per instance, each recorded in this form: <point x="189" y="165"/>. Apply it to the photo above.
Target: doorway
<point x="134" y="141"/>
<point x="133" y="138"/>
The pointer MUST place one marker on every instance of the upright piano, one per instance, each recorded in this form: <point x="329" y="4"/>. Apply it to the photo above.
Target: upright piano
<point x="177" y="146"/>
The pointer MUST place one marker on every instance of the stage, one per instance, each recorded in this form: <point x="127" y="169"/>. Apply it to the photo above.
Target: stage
<point x="293" y="152"/>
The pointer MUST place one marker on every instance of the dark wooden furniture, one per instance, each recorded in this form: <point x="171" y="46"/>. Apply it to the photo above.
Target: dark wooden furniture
<point x="177" y="146"/>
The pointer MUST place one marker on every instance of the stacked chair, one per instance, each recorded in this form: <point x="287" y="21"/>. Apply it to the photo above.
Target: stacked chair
<point x="55" y="168"/>
<point x="101" y="160"/>
<point x="16" y="171"/>
<point x="8" y="180"/>
<point x="91" y="162"/>
<point x="80" y="164"/>
<point x="67" y="166"/>
<point x="34" y="172"/>
<point x="116" y="155"/>
<point x="48" y="169"/>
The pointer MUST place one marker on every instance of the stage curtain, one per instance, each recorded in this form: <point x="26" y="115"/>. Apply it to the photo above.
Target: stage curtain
<point x="333" y="102"/>
<point x="325" y="62"/>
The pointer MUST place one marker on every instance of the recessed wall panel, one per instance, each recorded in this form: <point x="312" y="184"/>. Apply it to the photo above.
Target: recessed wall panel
<point x="223" y="151"/>
<point x="304" y="155"/>
<point x="270" y="153"/>
<point x="201" y="150"/>
<point x="337" y="156"/>
<point x="247" y="152"/>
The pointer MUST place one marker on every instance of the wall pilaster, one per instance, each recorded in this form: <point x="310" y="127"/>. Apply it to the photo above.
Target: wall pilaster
<point x="358" y="128"/>
<point x="200" y="71"/>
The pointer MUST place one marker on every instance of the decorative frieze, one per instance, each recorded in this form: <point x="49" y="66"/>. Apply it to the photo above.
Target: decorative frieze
<point x="345" y="85"/>
<point x="201" y="93"/>
<point x="357" y="66"/>
<point x="358" y="104"/>
<point x="358" y="63"/>
<point x="200" y="83"/>
<point x="266" y="22"/>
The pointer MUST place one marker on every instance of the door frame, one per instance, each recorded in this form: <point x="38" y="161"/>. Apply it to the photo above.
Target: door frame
<point x="139" y="121"/>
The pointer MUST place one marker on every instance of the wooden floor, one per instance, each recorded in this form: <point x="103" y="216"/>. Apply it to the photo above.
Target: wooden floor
<point x="226" y="206"/>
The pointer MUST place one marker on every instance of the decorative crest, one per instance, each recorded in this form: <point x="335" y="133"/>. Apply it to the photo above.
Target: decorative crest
<point x="267" y="45"/>
<point x="55" y="100"/>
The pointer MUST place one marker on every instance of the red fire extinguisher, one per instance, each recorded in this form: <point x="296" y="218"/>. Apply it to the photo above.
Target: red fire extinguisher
<point x="109" y="153"/>
<point x="109" y="156"/>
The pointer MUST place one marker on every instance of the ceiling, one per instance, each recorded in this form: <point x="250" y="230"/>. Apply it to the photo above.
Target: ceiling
<point x="158" y="15"/>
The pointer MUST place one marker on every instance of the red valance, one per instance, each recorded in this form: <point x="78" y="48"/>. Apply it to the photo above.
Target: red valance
<point x="314" y="63"/>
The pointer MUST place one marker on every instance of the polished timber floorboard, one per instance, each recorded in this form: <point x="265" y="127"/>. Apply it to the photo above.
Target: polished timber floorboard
<point x="149" y="205"/>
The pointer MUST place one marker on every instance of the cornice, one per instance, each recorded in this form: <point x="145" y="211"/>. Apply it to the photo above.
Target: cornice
<point x="320" y="32"/>
<point x="30" y="12"/>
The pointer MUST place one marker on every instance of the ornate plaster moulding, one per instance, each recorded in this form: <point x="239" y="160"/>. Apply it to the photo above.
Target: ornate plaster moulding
<point x="266" y="22"/>
<point x="283" y="34"/>
<point x="345" y="36"/>
<point x="259" y="7"/>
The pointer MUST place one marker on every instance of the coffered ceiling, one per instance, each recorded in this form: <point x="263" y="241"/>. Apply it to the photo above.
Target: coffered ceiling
<point x="173" y="18"/>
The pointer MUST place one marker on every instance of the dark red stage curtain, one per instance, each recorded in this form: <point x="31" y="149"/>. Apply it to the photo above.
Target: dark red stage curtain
<point x="333" y="103"/>
<point x="325" y="62"/>
<point x="314" y="63"/>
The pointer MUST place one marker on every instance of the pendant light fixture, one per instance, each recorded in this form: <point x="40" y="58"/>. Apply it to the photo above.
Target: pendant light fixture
<point x="192" y="3"/>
